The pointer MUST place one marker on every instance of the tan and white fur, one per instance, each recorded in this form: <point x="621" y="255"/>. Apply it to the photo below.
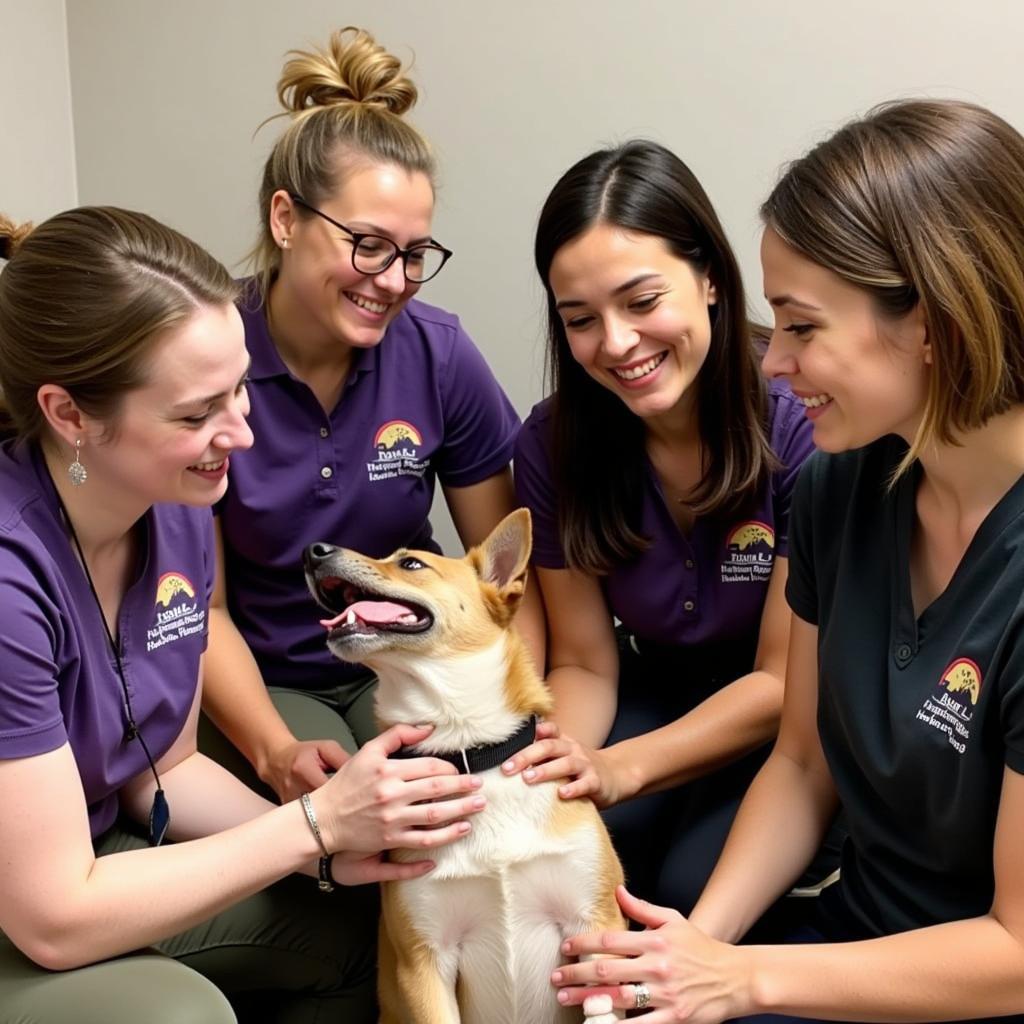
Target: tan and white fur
<point x="475" y="940"/>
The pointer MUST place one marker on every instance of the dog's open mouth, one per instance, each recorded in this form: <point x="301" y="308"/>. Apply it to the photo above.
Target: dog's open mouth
<point x="360" y="612"/>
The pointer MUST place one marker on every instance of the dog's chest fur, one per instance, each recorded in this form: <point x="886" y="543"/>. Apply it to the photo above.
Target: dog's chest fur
<point x="499" y="903"/>
<point x="497" y="906"/>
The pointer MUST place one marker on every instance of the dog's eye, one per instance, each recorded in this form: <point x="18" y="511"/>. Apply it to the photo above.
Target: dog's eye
<point x="410" y="563"/>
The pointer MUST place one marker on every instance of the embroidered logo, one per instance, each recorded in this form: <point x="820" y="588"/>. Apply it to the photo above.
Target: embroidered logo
<point x="749" y="553"/>
<point x="951" y="707"/>
<point x="178" y="614"/>
<point x="397" y="449"/>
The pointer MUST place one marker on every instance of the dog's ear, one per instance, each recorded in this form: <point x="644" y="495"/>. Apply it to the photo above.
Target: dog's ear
<point x="504" y="558"/>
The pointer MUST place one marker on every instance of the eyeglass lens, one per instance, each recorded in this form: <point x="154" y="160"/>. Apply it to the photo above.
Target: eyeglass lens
<point x="373" y="254"/>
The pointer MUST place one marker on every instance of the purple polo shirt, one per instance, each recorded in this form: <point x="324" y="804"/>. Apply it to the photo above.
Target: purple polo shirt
<point x="58" y="682"/>
<point x="420" y="406"/>
<point x="705" y="589"/>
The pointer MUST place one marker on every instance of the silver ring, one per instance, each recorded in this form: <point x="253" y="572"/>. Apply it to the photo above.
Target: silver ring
<point x="642" y="995"/>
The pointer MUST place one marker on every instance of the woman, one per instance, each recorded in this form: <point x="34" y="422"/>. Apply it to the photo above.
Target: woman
<point x="892" y="256"/>
<point x="362" y="397"/>
<point x="659" y="477"/>
<point x="123" y="369"/>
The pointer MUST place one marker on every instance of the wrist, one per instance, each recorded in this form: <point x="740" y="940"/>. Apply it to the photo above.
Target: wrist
<point x="627" y="774"/>
<point x="746" y="981"/>
<point x="266" y="750"/>
<point x="712" y="921"/>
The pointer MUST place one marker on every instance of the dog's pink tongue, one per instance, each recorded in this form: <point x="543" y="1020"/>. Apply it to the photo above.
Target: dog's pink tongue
<point x="376" y="613"/>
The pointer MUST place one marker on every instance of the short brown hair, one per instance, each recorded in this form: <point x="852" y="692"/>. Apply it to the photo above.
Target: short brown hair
<point x="81" y="299"/>
<point x="347" y="100"/>
<point x="922" y="201"/>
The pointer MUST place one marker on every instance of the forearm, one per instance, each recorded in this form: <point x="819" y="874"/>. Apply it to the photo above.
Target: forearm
<point x="133" y="899"/>
<point x="964" y="969"/>
<point x="734" y="721"/>
<point x="204" y="798"/>
<point x="585" y="704"/>
<point x="235" y="696"/>
<point x="776" y="833"/>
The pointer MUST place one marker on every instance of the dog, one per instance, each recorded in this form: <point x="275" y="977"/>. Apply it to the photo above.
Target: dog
<point x="475" y="940"/>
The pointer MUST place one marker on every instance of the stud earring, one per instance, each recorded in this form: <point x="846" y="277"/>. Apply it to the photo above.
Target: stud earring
<point x="76" y="471"/>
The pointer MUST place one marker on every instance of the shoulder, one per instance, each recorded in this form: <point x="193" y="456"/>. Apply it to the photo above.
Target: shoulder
<point x="431" y="323"/>
<point x="835" y="482"/>
<point x="21" y="498"/>
<point x="427" y="339"/>
<point x="535" y="435"/>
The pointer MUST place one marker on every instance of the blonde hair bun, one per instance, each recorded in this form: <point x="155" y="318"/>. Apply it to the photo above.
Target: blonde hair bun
<point x="11" y="236"/>
<point x="353" y="69"/>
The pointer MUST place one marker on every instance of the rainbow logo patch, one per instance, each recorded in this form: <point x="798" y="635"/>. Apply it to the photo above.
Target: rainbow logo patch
<point x="963" y="676"/>
<point x="170" y="585"/>
<point x="748" y="534"/>
<point x="396" y="432"/>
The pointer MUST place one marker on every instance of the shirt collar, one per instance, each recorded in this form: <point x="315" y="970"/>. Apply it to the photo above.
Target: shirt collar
<point x="266" y="360"/>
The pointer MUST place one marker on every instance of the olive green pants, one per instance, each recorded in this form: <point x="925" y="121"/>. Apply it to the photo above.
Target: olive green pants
<point x="287" y="955"/>
<point x="343" y="713"/>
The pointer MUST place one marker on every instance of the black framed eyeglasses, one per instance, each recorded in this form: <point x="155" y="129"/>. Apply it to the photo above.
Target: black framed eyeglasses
<point x="373" y="254"/>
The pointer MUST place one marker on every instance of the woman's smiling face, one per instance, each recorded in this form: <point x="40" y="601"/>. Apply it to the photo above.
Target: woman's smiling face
<point x="859" y="377"/>
<point x="636" y="317"/>
<point x="338" y="301"/>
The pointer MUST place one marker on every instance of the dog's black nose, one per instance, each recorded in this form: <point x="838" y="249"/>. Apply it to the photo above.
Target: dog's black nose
<point x="317" y="553"/>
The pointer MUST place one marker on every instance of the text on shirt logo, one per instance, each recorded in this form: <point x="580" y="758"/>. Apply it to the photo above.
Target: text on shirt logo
<point x="948" y="711"/>
<point x="749" y="553"/>
<point x="178" y="614"/>
<point x="397" y="445"/>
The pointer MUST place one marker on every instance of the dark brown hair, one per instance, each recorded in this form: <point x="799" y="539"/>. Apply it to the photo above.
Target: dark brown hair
<point x="597" y="443"/>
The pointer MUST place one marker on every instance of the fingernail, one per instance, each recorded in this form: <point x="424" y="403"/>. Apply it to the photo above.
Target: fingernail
<point x="529" y="775"/>
<point x="566" y="948"/>
<point x="507" y="766"/>
<point x="476" y="782"/>
<point x="556" y="978"/>
<point x="464" y="827"/>
<point x="478" y="802"/>
<point x="563" y="996"/>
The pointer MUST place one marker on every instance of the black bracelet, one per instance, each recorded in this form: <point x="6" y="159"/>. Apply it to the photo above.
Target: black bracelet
<point x="323" y="867"/>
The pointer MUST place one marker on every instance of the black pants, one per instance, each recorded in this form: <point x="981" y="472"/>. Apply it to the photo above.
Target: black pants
<point x="669" y="842"/>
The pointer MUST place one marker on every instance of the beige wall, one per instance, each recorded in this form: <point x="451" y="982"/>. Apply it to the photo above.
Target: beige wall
<point x="167" y="96"/>
<point x="37" y="159"/>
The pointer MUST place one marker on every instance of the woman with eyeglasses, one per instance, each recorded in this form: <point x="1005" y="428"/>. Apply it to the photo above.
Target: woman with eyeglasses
<point x="123" y="370"/>
<point x="362" y="398"/>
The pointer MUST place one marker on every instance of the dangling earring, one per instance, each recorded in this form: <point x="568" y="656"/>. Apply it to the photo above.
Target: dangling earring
<point x="76" y="471"/>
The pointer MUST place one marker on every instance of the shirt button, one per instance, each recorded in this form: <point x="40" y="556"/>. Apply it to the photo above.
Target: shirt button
<point x="324" y="431"/>
<point x="689" y="563"/>
<point x="688" y="606"/>
<point x="903" y="652"/>
<point x="327" y="472"/>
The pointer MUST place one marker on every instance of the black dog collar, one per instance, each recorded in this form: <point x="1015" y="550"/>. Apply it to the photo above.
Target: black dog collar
<point x="479" y="759"/>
